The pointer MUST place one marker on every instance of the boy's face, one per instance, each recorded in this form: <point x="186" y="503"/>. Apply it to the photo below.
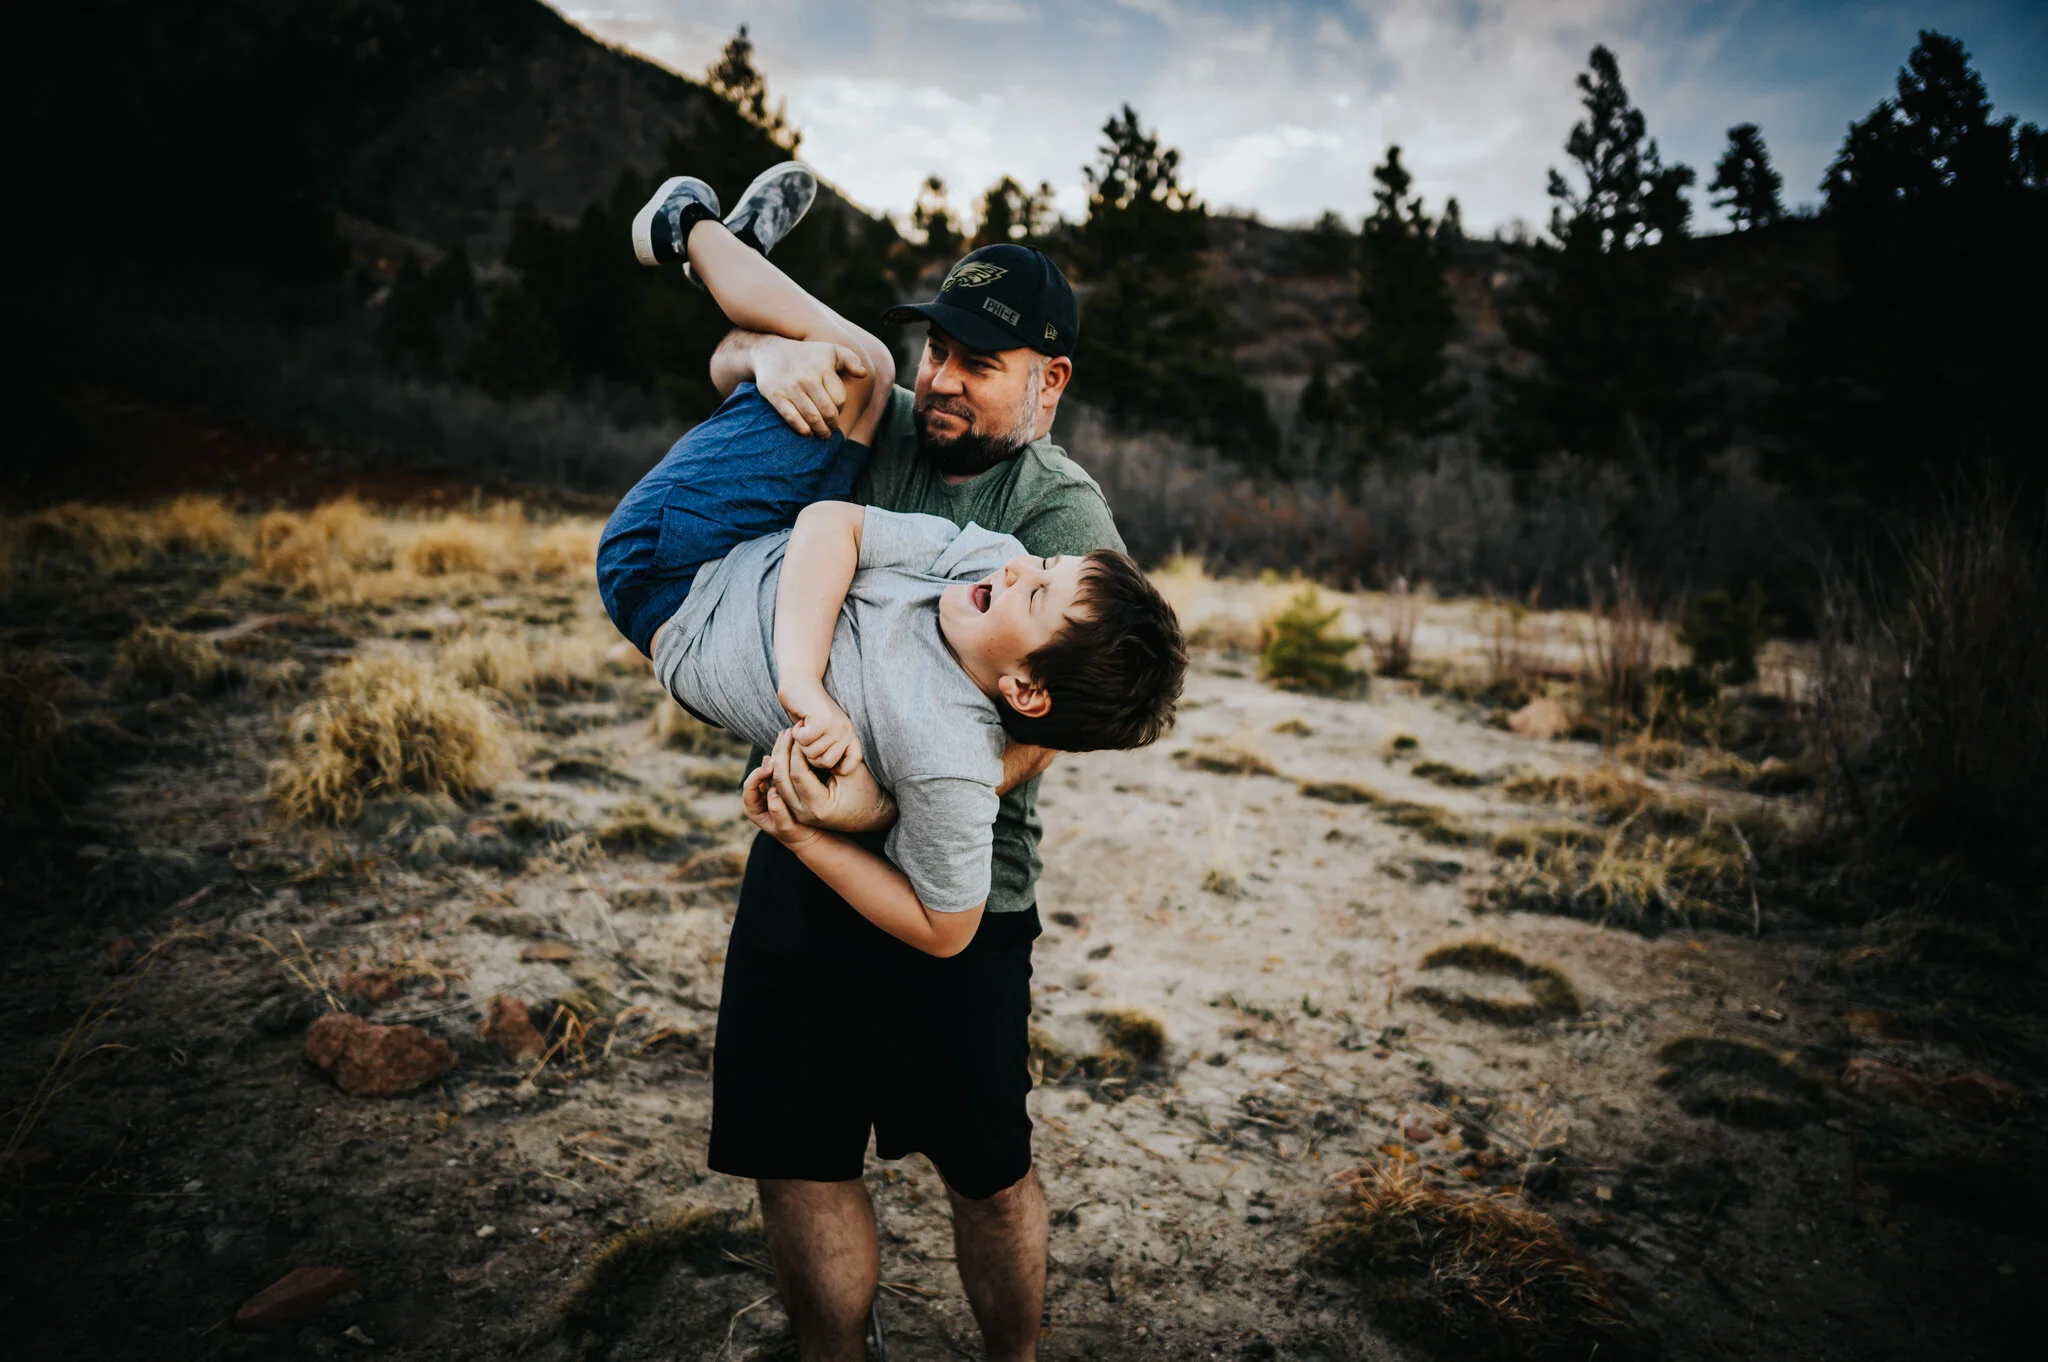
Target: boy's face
<point x="994" y="624"/>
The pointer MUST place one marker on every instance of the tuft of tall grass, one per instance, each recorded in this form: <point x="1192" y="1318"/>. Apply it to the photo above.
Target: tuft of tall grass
<point x="197" y="524"/>
<point x="165" y="661"/>
<point x="568" y="549"/>
<point x="33" y="734"/>
<point x="1393" y="646"/>
<point x="1619" y="643"/>
<point x="387" y="725"/>
<point x="457" y="544"/>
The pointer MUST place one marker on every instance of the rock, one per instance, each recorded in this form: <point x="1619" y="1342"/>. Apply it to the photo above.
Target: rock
<point x="298" y="1295"/>
<point x="1542" y="719"/>
<point x="509" y="1026"/>
<point x="1967" y="1097"/>
<point x="371" y="984"/>
<point x="1417" y="1133"/>
<point x="368" y="1060"/>
<point x="549" y="952"/>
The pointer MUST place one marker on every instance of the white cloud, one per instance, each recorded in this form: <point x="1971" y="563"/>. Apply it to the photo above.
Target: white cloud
<point x="979" y="11"/>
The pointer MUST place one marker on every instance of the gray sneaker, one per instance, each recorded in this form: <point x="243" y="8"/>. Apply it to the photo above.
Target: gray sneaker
<point x="661" y="228"/>
<point x="775" y="202"/>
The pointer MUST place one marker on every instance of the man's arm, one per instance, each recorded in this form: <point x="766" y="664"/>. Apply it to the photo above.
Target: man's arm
<point x="872" y="887"/>
<point x="800" y="379"/>
<point x="817" y="572"/>
<point x="1023" y="762"/>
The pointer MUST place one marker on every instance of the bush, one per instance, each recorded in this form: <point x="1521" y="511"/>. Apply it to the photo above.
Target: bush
<point x="32" y="735"/>
<point x="1724" y="633"/>
<point x="1300" y="649"/>
<point x="385" y="726"/>
<point x="167" y="661"/>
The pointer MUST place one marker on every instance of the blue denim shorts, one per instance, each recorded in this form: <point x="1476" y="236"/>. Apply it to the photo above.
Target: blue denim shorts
<point x="739" y="475"/>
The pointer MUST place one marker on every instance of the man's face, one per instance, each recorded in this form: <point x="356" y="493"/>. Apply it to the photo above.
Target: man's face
<point x="976" y="408"/>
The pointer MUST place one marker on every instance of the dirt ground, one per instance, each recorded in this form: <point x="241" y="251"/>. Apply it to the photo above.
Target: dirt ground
<point x="196" y="1156"/>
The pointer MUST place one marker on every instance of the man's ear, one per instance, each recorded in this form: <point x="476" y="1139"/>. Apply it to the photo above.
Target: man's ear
<point x="1024" y="695"/>
<point x="1058" y="371"/>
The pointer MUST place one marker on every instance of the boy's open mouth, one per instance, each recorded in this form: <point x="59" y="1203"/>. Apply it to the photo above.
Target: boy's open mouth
<point x="982" y="593"/>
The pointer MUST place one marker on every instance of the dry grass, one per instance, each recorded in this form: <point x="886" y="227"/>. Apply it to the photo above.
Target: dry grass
<point x="1430" y="822"/>
<point x="1619" y="641"/>
<point x="321" y="553"/>
<point x="1631" y="876"/>
<point x="343" y="553"/>
<point x="1551" y="995"/>
<point x="620" y="1282"/>
<point x="1514" y="660"/>
<point x="1614" y="791"/>
<point x="633" y="827"/>
<point x="673" y="726"/>
<point x="1482" y="1276"/>
<point x="33" y="735"/>
<point x="1228" y="759"/>
<point x="566" y="550"/>
<point x="112" y="540"/>
<point x="1338" y="792"/>
<point x="1131" y="1039"/>
<point x="1741" y="1083"/>
<point x="159" y="660"/>
<point x="456" y="544"/>
<point x="1443" y="773"/>
<point x="1393" y="642"/>
<point x="194" y="524"/>
<point x="387" y="725"/>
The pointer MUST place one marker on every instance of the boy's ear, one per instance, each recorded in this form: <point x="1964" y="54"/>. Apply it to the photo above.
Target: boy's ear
<point x="1024" y="695"/>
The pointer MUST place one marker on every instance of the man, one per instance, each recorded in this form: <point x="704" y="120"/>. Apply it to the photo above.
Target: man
<point x="828" y="1028"/>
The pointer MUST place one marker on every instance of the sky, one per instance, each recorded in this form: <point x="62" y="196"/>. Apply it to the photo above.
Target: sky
<point x="1284" y="108"/>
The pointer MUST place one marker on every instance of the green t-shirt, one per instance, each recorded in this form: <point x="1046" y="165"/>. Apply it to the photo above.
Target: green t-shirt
<point x="1052" y="506"/>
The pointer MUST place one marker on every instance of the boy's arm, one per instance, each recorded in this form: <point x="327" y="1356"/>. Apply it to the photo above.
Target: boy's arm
<point x="872" y="887"/>
<point x="817" y="572"/>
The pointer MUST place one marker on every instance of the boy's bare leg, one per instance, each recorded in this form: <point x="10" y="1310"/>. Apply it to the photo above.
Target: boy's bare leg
<point x="821" y="1238"/>
<point x="754" y="295"/>
<point x="1000" y="1244"/>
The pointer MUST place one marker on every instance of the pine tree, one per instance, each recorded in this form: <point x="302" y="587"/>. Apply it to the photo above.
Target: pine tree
<point x="1745" y="176"/>
<point x="931" y="222"/>
<point x="1401" y="388"/>
<point x="1156" y="343"/>
<point x="1010" y="212"/>
<point x="1618" y="353"/>
<point x="735" y="78"/>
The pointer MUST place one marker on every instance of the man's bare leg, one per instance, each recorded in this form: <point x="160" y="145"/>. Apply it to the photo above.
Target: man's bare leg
<point x="821" y="1238"/>
<point x="1000" y="1244"/>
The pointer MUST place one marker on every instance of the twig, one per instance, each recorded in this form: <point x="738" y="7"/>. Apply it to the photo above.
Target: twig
<point x="1756" y="909"/>
<point x="736" y="1323"/>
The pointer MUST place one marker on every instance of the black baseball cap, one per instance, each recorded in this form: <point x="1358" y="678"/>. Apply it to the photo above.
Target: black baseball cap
<point x="999" y="298"/>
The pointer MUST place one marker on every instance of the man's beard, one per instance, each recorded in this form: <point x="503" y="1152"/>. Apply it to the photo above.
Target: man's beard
<point x="974" y="451"/>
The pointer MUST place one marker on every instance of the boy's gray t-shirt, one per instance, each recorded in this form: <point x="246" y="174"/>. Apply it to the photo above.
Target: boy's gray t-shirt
<point x="929" y="735"/>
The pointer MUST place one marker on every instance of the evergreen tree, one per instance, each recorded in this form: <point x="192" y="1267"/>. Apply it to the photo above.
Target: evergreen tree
<point x="932" y="228"/>
<point x="1618" y="353"/>
<point x="1010" y="212"/>
<point x="1156" y="343"/>
<point x="1329" y="247"/>
<point x="1400" y="388"/>
<point x="424" y="310"/>
<point x="1912" y="366"/>
<point x="1745" y="176"/>
<point x="735" y="78"/>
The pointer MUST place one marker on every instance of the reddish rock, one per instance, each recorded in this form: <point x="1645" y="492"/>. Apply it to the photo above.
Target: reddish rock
<point x="509" y="1026"/>
<point x="368" y="1060"/>
<point x="371" y="984"/>
<point x="298" y="1295"/>
<point x="1418" y="1133"/>
<point x="1967" y="1097"/>
<point x="1542" y="719"/>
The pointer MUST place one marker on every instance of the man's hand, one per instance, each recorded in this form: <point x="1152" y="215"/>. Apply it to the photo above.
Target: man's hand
<point x="800" y="379"/>
<point x="845" y="803"/>
<point x="765" y="809"/>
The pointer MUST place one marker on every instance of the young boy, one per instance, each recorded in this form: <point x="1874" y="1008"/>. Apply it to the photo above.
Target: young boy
<point x="902" y="640"/>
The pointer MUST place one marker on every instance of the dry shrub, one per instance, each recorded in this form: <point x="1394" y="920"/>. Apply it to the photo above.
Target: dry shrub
<point x="1614" y="791"/>
<point x="490" y="659"/>
<point x="107" y="539"/>
<point x="1514" y="664"/>
<point x="1550" y="993"/>
<point x="33" y="735"/>
<point x="387" y="725"/>
<point x="1932" y="704"/>
<point x="194" y="524"/>
<point x="1432" y="823"/>
<point x="566" y="550"/>
<point x="1483" y="1275"/>
<point x="165" y="661"/>
<point x="1633" y="875"/>
<point x="321" y="552"/>
<point x="1131" y="1040"/>
<point x="625" y="1271"/>
<point x="1393" y="644"/>
<point x="1619" y="643"/>
<point x="457" y="544"/>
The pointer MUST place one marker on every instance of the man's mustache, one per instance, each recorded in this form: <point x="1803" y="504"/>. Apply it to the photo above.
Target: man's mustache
<point x="952" y="406"/>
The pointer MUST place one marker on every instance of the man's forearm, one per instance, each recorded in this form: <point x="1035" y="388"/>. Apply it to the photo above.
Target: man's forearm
<point x="732" y="363"/>
<point x="1023" y="762"/>
<point x="882" y="894"/>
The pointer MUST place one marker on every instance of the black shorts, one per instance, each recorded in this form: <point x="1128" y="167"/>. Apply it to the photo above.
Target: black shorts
<point x="829" y="1027"/>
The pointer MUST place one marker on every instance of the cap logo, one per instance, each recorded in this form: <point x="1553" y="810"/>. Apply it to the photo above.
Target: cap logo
<point x="1052" y="332"/>
<point x="972" y="275"/>
<point x="1008" y="314"/>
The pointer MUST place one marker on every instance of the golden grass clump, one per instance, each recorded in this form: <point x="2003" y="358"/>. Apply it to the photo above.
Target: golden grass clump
<point x="320" y="553"/>
<point x="519" y="665"/>
<point x="1741" y="1083"/>
<point x="632" y="826"/>
<point x="387" y="725"/>
<point x="1228" y="759"/>
<point x="1551" y="995"/>
<point x="33" y="734"/>
<point x="1131" y="1040"/>
<point x="1338" y="792"/>
<point x="108" y="539"/>
<point x="457" y="544"/>
<point x="1431" y="823"/>
<point x="195" y="524"/>
<point x="673" y="726"/>
<point x="568" y="549"/>
<point x="1443" y="773"/>
<point x="1484" y="1274"/>
<point x="166" y="661"/>
<point x="618" y="1286"/>
<point x="1630" y="874"/>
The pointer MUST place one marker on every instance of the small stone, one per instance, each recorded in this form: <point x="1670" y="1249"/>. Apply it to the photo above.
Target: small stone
<point x="371" y="984"/>
<point x="486" y="1231"/>
<point x="1542" y="719"/>
<point x="298" y="1295"/>
<point x="1418" y="1134"/>
<point x="548" y="953"/>
<point x="369" y="1060"/>
<point x="355" y="1334"/>
<point x="509" y="1026"/>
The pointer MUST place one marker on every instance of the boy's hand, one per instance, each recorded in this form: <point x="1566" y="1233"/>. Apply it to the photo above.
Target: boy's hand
<point x="823" y="733"/>
<point x="765" y="809"/>
<point x="800" y="379"/>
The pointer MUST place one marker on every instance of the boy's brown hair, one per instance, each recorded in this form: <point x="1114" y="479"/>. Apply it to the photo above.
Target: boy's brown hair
<point x="1114" y="671"/>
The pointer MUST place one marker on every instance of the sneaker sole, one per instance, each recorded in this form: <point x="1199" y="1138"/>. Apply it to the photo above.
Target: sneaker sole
<point x="775" y="172"/>
<point x="643" y="221"/>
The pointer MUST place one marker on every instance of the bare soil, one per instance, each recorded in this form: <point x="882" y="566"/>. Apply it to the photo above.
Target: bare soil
<point x="196" y="1156"/>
